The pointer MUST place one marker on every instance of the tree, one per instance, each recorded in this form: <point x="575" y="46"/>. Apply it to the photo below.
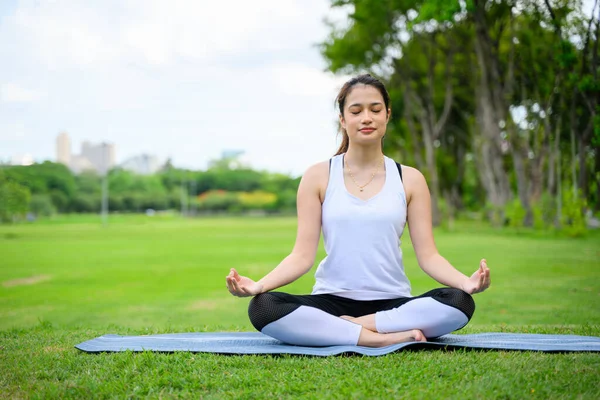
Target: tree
<point x="500" y="82"/>
<point x="14" y="199"/>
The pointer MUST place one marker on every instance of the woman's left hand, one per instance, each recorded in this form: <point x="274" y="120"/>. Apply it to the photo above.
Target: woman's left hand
<point x="479" y="281"/>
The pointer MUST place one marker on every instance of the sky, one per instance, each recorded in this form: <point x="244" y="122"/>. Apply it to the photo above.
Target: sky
<point x="178" y="79"/>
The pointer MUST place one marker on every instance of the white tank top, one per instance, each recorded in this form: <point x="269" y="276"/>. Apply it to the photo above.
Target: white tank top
<point x="362" y="239"/>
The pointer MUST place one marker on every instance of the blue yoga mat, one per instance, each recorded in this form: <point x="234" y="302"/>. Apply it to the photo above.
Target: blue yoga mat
<point x="257" y="343"/>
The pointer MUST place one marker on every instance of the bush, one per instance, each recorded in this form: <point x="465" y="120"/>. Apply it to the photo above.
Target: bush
<point x="157" y="201"/>
<point x="573" y="214"/>
<point x="85" y="203"/>
<point x="515" y="213"/>
<point x="286" y="200"/>
<point x="14" y="200"/>
<point x="59" y="200"/>
<point x="257" y="200"/>
<point x="116" y="203"/>
<point x="41" y="205"/>
<point x="218" y="200"/>
<point x="544" y="212"/>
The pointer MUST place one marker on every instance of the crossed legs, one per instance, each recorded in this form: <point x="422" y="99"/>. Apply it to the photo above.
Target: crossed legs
<point x="326" y="320"/>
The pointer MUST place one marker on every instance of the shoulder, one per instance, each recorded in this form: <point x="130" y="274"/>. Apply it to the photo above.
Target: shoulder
<point x="413" y="180"/>
<point x="317" y="171"/>
<point x="316" y="178"/>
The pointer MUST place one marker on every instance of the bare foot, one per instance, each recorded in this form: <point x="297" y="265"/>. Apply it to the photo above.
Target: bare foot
<point x="374" y="339"/>
<point x="407" y="336"/>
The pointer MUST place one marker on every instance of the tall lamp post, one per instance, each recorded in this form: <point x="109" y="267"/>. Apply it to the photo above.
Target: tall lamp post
<point x="104" y="173"/>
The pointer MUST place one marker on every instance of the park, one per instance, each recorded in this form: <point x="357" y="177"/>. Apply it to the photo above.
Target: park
<point x="146" y="275"/>
<point x="476" y="120"/>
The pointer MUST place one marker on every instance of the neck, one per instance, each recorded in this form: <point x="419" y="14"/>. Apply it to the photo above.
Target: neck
<point x="362" y="156"/>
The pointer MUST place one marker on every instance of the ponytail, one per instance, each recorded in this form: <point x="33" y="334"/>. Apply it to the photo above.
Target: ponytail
<point x="345" y="142"/>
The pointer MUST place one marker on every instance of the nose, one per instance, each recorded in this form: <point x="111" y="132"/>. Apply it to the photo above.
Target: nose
<point x="367" y="118"/>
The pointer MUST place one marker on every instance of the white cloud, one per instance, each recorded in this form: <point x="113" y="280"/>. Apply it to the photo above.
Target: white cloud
<point x="157" y="32"/>
<point x="304" y="80"/>
<point x="12" y="131"/>
<point x="185" y="79"/>
<point x="13" y="93"/>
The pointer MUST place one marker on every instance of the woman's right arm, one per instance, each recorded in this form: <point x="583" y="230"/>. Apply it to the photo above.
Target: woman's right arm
<point x="301" y="259"/>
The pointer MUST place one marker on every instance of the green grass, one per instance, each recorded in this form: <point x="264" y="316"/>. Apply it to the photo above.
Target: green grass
<point x="143" y="275"/>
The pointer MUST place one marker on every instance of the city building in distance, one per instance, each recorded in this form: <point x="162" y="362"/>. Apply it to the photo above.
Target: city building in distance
<point x="94" y="157"/>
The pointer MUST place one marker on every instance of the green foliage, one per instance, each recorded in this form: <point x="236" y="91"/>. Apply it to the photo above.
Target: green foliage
<point x="573" y="214"/>
<point x="515" y="213"/>
<point x="88" y="182"/>
<point x="14" y="199"/>
<point x="219" y="200"/>
<point x="495" y="215"/>
<point x="286" y="200"/>
<point x="527" y="58"/>
<point x="129" y="192"/>
<point x="44" y="177"/>
<point x="41" y="205"/>
<point x="440" y="10"/>
<point x="257" y="200"/>
<point x="545" y="212"/>
<point x="85" y="203"/>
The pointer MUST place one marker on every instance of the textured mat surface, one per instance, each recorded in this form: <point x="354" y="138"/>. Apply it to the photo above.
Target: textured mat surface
<point x="257" y="343"/>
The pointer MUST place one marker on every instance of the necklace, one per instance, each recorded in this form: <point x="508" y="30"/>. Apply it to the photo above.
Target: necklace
<point x="362" y="187"/>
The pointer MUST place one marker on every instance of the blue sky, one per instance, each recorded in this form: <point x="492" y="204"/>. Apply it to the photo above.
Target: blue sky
<point x="179" y="79"/>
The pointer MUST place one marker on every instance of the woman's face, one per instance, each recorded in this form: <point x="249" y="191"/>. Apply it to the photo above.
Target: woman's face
<point x="365" y="116"/>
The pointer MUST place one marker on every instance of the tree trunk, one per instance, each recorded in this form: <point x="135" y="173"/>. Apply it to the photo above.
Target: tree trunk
<point x="583" y="143"/>
<point x="410" y="124"/>
<point x="522" y="183"/>
<point x="491" y="111"/>
<point x="434" y="184"/>
<point x="558" y="173"/>
<point x="573" y="163"/>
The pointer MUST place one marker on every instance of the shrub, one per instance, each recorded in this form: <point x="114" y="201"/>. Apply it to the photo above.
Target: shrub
<point x="41" y="205"/>
<point x="14" y="200"/>
<point x="257" y="200"/>
<point x="544" y="212"/>
<point x="218" y="200"/>
<point x="573" y="214"/>
<point x="515" y="213"/>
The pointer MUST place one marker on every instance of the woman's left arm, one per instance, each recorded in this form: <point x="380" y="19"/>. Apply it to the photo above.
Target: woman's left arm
<point x="421" y="233"/>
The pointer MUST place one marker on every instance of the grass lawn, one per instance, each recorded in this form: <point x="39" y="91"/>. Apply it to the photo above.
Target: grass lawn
<point x="69" y="280"/>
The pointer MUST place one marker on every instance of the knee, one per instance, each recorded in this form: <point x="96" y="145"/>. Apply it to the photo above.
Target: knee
<point x="456" y="298"/>
<point x="257" y="309"/>
<point x="266" y="308"/>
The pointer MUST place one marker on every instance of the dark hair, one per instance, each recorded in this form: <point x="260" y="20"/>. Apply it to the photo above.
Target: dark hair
<point x="364" y="79"/>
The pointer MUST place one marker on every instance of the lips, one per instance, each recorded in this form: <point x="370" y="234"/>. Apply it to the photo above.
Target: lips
<point x="367" y="130"/>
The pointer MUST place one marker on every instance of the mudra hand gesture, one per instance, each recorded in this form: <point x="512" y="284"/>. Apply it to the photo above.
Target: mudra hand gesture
<point x="479" y="281"/>
<point x="242" y="286"/>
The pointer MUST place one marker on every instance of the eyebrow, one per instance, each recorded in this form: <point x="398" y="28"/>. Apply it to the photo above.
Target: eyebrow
<point x="360" y="105"/>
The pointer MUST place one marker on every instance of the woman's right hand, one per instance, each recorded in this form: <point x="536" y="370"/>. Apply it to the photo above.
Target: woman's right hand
<point x="242" y="286"/>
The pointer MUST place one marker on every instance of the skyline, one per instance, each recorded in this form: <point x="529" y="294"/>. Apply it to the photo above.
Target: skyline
<point x="137" y="74"/>
<point x="182" y="80"/>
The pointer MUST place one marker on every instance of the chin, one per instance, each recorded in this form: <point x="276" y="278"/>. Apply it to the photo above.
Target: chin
<point x="369" y="139"/>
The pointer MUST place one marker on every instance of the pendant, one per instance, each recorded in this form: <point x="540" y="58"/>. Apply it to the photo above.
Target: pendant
<point x="361" y="190"/>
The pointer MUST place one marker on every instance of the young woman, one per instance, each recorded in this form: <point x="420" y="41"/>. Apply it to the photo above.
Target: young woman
<point x="361" y="200"/>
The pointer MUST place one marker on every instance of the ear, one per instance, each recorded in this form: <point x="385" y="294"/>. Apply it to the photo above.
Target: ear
<point x="342" y="121"/>
<point x="389" y="115"/>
